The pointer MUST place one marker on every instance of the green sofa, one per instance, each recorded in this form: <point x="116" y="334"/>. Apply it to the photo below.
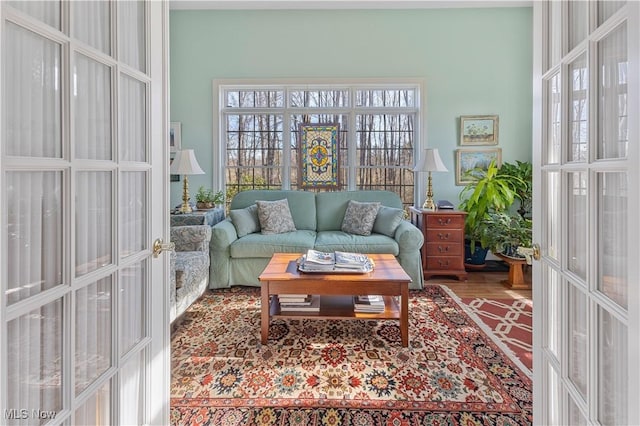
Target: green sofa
<point x="318" y="219"/>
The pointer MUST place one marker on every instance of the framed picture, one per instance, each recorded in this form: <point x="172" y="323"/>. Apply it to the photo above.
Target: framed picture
<point x="479" y="130"/>
<point x="175" y="134"/>
<point x="318" y="162"/>
<point x="173" y="178"/>
<point x="469" y="159"/>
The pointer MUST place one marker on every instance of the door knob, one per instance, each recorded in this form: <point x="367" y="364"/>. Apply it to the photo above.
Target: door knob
<point x="159" y="247"/>
<point x="536" y="251"/>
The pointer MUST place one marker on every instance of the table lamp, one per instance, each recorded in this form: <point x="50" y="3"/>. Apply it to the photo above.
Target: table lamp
<point x="185" y="163"/>
<point x="430" y="162"/>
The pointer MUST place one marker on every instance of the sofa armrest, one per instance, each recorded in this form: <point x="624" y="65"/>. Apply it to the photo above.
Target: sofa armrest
<point x="408" y="236"/>
<point x="191" y="237"/>
<point x="222" y="235"/>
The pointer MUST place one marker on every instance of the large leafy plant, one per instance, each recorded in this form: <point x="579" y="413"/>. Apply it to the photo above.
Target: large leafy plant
<point x="488" y="192"/>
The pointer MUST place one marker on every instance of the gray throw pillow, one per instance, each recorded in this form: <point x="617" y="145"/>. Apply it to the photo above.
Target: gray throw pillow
<point x="387" y="220"/>
<point x="359" y="217"/>
<point x="275" y="217"/>
<point x="245" y="220"/>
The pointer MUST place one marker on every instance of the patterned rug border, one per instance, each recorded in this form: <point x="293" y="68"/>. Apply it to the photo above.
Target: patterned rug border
<point x="509" y="406"/>
<point x="487" y="330"/>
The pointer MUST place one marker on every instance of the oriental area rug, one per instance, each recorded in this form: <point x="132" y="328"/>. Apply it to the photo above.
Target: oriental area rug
<point x="325" y="372"/>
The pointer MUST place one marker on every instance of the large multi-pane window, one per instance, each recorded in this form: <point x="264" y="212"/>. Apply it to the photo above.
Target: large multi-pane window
<point x="378" y="126"/>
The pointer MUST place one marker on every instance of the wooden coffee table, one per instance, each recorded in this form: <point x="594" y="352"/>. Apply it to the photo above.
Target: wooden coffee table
<point x="388" y="279"/>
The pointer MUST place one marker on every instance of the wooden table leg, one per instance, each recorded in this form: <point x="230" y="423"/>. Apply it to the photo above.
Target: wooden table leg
<point x="264" y="311"/>
<point x="516" y="277"/>
<point x="404" y="315"/>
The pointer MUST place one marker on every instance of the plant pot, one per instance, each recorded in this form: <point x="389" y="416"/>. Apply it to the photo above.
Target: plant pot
<point x="204" y="206"/>
<point x="477" y="258"/>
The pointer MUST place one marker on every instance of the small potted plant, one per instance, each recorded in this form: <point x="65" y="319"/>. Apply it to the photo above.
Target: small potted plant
<point x="204" y="198"/>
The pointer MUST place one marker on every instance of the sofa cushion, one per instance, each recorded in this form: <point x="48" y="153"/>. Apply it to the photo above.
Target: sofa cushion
<point x="337" y="240"/>
<point x="387" y="220"/>
<point x="301" y="203"/>
<point x="359" y="217"/>
<point x="331" y="206"/>
<point x="275" y="217"/>
<point x="261" y="245"/>
<point x="245" y="220"/>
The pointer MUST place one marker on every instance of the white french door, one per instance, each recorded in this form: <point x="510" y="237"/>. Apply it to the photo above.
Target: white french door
<point x="83" y="184"/>
<point x="586" y="197"/>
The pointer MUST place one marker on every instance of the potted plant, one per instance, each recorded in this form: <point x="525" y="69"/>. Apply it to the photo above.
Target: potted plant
<point x="489" y="192"/>
<point x="204" y="198"/>
<point x="505" y="232"/>
<point x="207" y="199"/>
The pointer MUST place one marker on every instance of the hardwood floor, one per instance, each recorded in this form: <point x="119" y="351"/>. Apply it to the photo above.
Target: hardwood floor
<point x="484" y="284"/>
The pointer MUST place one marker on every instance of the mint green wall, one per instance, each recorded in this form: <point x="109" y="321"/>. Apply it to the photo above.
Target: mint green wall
<point x="473" y="61"/>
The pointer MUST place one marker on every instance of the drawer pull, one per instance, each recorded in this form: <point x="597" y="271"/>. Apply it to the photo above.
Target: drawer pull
<point x="443" y="263"/>
<point x="444" y="236"/>
<point x="444" y="222"/>
<point x="444" y="249"/>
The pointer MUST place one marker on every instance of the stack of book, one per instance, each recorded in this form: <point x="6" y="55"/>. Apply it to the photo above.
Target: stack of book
<point x="299" y="302"/>
<point x="369" y="303"/>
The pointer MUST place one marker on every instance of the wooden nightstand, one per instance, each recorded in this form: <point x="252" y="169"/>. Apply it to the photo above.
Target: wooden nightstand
<point x="443" y="249"/>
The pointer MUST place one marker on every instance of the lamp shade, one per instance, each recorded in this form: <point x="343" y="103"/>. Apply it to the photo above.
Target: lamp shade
<point x="430" y="162"/>
<point x="185" y="163"/>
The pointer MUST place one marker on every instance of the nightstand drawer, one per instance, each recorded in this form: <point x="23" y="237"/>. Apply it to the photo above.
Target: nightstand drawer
<point x="448" y="221"/>
<point x="444" y="249"/>
<point x="445" y="263"/>
<point x="442" y="235"/>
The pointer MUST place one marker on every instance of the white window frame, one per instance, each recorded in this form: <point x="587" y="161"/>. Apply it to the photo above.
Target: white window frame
<point x="286" y="85"/>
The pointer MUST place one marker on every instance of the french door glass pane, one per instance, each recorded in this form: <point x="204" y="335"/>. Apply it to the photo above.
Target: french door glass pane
<point x="35" y="233"/>
<point x="612" y="370"/>
<point x="554" y="118"/>
<point x="606" y="8"/>
<point x="92" y="102"/>
<point x="578" y="22"/>
<point x="91" y="23"/>
<point x="552" y="218"/>
<point x="132" y="397"/>
<point x="93" y="221"/>
<point x="133" y="124"/>
<point x="578" y="109"/>
<point x="33" y="118"/>
<point x="133" y="212"/>
<point x="612" y="233"/>
<point x="575" y="415"/>
<point x="613" y="137"/>
<point x="577" y="223"/>
<point x="554" y="415"/>
<point x="132" y="305"/>
<point x="34" y="351"/>
<point x="46" y="11"/>
<point x="131" y="40"/>
<point x="96" y="410"/>
<point x="578" y="339"/>
<point x="553" y="301"/>
<point x="93" y="332"/>
<point x="554" y="50"/>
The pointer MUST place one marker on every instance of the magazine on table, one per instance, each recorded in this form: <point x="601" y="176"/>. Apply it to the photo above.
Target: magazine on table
<point x="339" y="261"/>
